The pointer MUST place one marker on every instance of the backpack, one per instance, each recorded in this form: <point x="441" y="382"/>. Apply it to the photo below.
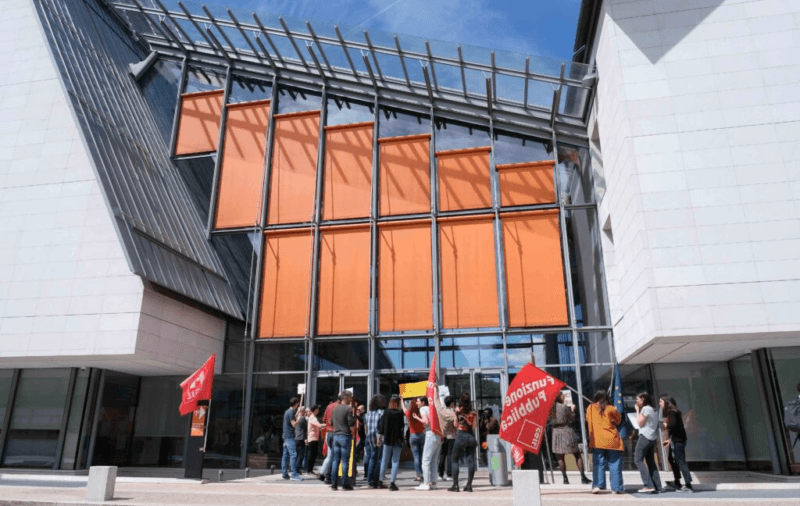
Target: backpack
<point x="791" y="415"/>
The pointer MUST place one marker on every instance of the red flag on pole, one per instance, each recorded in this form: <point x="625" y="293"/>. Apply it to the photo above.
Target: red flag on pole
<point x="433" y="415"/>
<point x="527" y="406"/>
<point x="197" y="387"/>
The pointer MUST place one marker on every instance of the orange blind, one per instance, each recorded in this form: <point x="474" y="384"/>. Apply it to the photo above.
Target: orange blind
<point x="285" y="288"/>
<point x="344" y="280"/>
<point x="534" y="272"/>
<point x="198" y="127"/>
<point x="294" y="167"/>
<point x="469" y="282"/>
<point x="526" y="183"/>
<point x="241" y="181"/>
<point x="464" y="179"/>
<point x="405" y="174"/>
<point x="348" y="171"/>
<point x="405" y="279"/>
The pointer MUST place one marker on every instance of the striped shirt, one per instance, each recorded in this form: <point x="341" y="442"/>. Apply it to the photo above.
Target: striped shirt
<point x="373" y="419"/>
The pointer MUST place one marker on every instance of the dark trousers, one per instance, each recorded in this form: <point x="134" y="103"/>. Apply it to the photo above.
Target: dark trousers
<point x="445" y="462"/>
<point x="300" y="447"/>
<point x="677" y="459"/>
<point x="465" y="445"/>
<point x="312" y="450"/>
<point x="644" y="455"/>
<point x="536" y="462"/>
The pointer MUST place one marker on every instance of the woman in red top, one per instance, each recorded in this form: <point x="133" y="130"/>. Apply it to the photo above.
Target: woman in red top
<point x="465" y="443"/>
<point x="417" y="438"/>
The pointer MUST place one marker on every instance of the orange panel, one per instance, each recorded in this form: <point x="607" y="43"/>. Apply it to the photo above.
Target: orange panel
<point x="469" y="281"/>
<point x="405" y="174"/>
<point x="405" y="280"/>
<point x="241" y="182"/>
<point x="285" y="289"/>
<point x="348" y="171"/>
<point x="344" y="280"/>
<point x="534" y="271"/>
<point x="464" y="179"/>
<point x="294" y="167"/>
<point x="527" y="183"/>
<point x="198" y="127"/>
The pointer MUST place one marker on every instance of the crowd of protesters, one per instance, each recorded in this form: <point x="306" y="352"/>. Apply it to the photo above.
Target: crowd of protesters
<point x="347" y="429"/>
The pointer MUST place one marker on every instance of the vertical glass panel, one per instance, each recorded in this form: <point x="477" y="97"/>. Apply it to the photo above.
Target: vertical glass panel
<point x="464" y="179"/>
<point x="160" y="89"/>
<point x="525" y="170"/>
<point x="405" y="183"/>
<point x="199" y="121"/>
<point x="573" y="101"/>
<point x="751" y="413"/>
<point x="513" y="148"/>
<point x="5" y="389"/>
<point x="115" y="427"/>
<point x="159" y="431"/>
<point x="359" y="386"/>
<point x="198" y="175"/>
<point x="703" y="393"/>
<point x="345" y="111"/>
<point x="76" y="412"/>
<point x="276" y="356"/>
<point x="471" y="352"/>
<point x="394" y="123"/>
<point x="245" y="89"/>
<point x="328" y="390"/>
<point x="348" y="171"/>
<point x="200" y="79"/>
<point x="36" y="418"/>
<point x="271" y="394"/>
<point x="344" y="283"/>
<point x="586" y="262"/>
<point x="787" y="365"/>
<point x="452" y="135"/>
<point x="576" y="175"/>
<point x="595" y="347"/>
<point x="404" y="353"/>
<point x="235" y="358"/>
<point x="223" y="448"/>
<point x="341" y="355"/>
<point x="545" y="349"/>
<point x="297" y="100"/>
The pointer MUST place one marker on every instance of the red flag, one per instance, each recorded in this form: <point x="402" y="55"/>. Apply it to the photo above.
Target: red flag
<point x="197" y="387"/>
<point x="519" y="455"/>
<point x="433" y="415"/>
<point x="527" y="406"/>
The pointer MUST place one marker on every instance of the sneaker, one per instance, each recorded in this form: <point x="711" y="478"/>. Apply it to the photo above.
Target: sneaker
<point x="285" y="476"/>
<point x="321" y="477"/>
<point x="422" y="486"/>
<point x="648" y="490"/>
<point x="619" y="491"/>
<point x="595" y="490"/>
<point x="297" y="477"/>
<point x="393" y="487"/>
<point x="686" y="488"/>
<point x="671" y="484"/>
<point x="433" y="486"/>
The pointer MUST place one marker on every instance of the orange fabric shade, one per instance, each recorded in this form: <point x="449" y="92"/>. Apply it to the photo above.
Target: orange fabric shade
<point x="286" y="283"/>
<point x="198" y="127"/>
<point x="344" y="280"/>
<point x="405" y="182"/>
<point x="294" y="167"/>
<point x="464" y="179"/>
<point x="469" y="280"/>
<point x="405" y="276"/>
<point x="527" y="183"/>
<point x="348" y="171"/>
<point x="241" y="182"/>
<point x="534" y="270"/>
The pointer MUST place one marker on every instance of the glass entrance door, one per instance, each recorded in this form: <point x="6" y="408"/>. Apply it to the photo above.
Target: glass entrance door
<point x="329" y="386"/>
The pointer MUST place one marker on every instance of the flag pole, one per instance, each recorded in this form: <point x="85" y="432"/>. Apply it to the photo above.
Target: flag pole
<point x="208" y="426"/>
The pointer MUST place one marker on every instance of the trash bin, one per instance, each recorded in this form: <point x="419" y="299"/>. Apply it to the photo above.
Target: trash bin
<point x="498" y="462"/>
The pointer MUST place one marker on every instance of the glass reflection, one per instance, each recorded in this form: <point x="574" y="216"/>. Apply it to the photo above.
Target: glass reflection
<point x="341" y="355"/>
<point x="343" y="111"/>
<point x="468" y="352"/>
<point x="403" y="353"/>
<point x="245" y="89"/>
<point x="297" y="100"/>
<point x="394" y="123"/>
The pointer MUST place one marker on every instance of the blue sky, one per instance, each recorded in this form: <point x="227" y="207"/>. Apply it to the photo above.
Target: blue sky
<point x="533" y="27"/>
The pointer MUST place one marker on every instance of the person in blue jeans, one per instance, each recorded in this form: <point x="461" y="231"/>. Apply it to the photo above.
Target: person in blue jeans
<point x="416" y="438"/>
<point x="605" y="442"/>
<point x="373" y="453"/>
<point x="390" y="437"/>
<point x="344" y="422"/>
<point x="289" y="458"/>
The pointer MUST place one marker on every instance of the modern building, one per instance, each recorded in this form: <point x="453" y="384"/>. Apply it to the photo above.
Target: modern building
<point x="178" y="180"/>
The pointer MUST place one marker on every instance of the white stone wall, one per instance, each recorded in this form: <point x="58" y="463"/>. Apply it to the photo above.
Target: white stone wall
<point x="698" y="110"/>
<point x="67" y="295"/>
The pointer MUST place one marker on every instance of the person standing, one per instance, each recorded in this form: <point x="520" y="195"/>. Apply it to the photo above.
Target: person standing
<point x="565" y="440"/>
<point x="327" y="419"/>
<point x="289" y="457"/>
<point x="648" y="435"/>
<point x="465" y="443"/>
<point x="373" y="453"/>
<point x="433" y="443"/>
<point x="343" y="423"/>
<point x="416" y="439"/>
<point x="677" y="443"/>
<point x="313" y="438"/>
<point x="447" y="418"/>
<point x="300" y="434"/>
<point x="362" y="438"/>
<point x="605" y="442"/>
<point x="390" y="437"/>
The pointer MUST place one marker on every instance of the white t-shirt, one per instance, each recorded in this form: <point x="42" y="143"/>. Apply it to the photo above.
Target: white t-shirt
<point x="424" y="411"/>
<point x="650" y="427"/>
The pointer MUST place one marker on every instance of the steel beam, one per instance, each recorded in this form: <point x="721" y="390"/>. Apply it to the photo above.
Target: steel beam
<point x="220" y="30"/>
<point x="371" y="49"/>
<point x="269" y="39"/>
<point x="402" y="60"/>
<point x="346" y="53"/>
<point x="291" y="40"/>
<point x="212" y="207"/>
<point x="319" y="46"/>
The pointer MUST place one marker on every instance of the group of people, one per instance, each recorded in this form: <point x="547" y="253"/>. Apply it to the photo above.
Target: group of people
<point x="380" y="432"/>
<point x="607" y="446"/>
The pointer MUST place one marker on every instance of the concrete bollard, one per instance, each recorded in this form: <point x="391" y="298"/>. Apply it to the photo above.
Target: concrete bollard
<point x="526" y="488"/>
<point x="101" y="483"/>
